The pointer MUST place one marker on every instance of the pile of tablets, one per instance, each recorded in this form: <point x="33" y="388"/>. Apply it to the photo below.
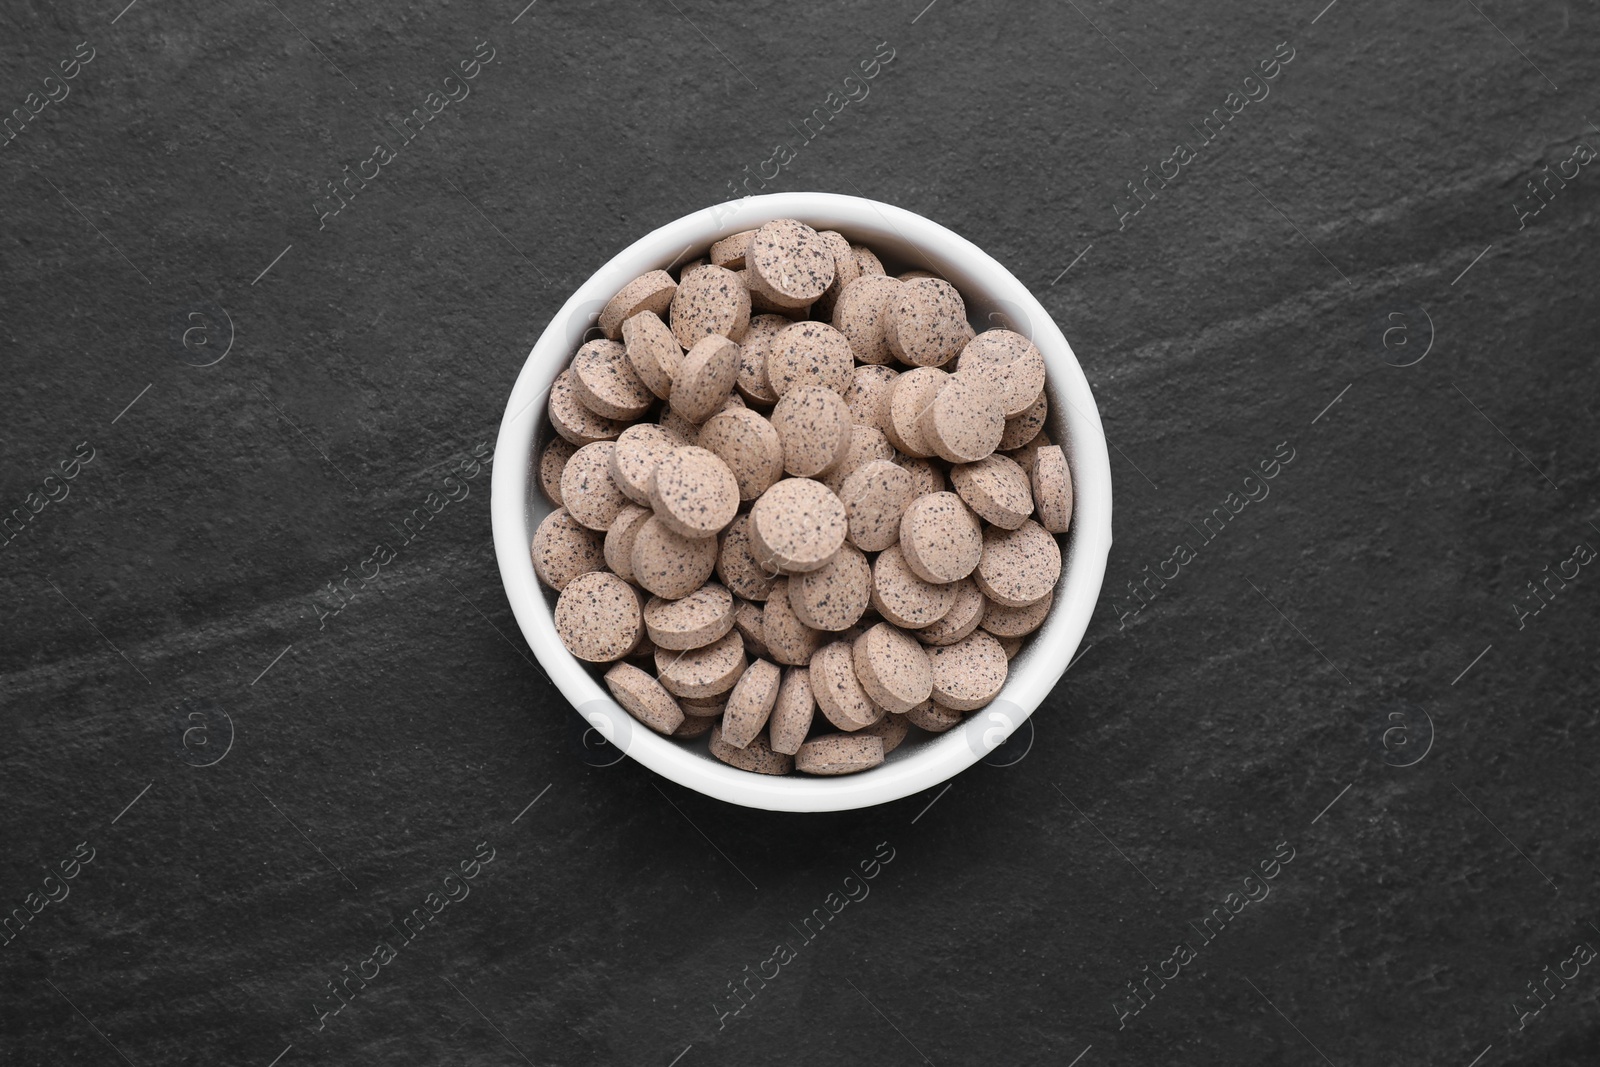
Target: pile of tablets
<point x="786" y="483"/>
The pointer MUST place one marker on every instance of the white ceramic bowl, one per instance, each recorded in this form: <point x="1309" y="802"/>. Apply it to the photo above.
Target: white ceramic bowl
<point x="994" y="298"/>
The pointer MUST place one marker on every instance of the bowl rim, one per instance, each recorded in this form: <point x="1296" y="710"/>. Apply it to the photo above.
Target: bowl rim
<point x="1084" y="556"/>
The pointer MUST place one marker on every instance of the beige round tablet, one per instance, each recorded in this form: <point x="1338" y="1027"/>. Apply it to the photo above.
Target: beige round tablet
<point x="792" y="712"/>
<point x="586" y="486"/>
<point x="926" y="322"/>
<point x="905" y="599"/>
<point x="789" y="263"/>
<point x="749" y="445"/>
<point x="1052" y="488"/>
<point x="729" y="252"/>
<point x="996" y="488"/>
<point x="653" y="352"/>
<point x="667" y="563"/>
<point x="675" y="424"/>
<point x="747" y="619"/>
<point x="644" y="698"/>
<point x="1017" y="622"/>
<point x="606" y="383"/>
<point x="598" y="617"/>
<point x="1019" y="567"/>
<point x="868" y="395"/>
<point x="940" y="538"/>
<point x="1012" y="645"/>
<point x="1025" y="427"/>
<point x="892" y="668"/>
<point x="635" y="456"/>
<point x="620" y="536"/>
<point x="925" y="476"/>
<point x="933" y="718"/>
<point x="702" y="672"/>
<point x="737" y="565"/>
<point x="705" y="380"/>
<point x="860" y="313"/>
<point x="756" y="757"/>
<point x="652" y="292"/>
<point x="712" y="300"/>
<point x="753" y="348"/>
<point x="694" y="492"/>
<point x="891" y="729"/>
<point x="963" y="424"/>
<point x="797" y="526"/>
<point x="913" y="394"/>
<point x="552" y="461"/>
<point x="867" y="260"/>
<point x="788" y="639"/>
<point x="835" y="754"/>
<point x="690" y="267"/>
<point x="814" y="426"/>
<point x="1023" y="456"/>
<point x="838" y="691"/>
<point x="703" y="707"/>
<point x="867" y="444"/>
<point x="968" y="674"/>
<point x="694" y="726"/>
<point x="875" y="499"/>
<point x="964" y="616"/>
<point x="846" y="269"/>
<point x="564" y="548"/>
<point x="809" y="353"/>
<point x="1012" y="362"/>
<point x="761" y="305"/>
<point x="574" y="421"/>
<point x="750" y="703"/>
<point x="693" y="621"/>
<point x="836" y="596"/>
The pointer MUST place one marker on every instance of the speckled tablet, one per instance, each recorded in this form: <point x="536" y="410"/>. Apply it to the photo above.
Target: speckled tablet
<point x="809" y="353"/>
<point x="634" y="459"/>
<point x="797" y="526"/>
<point x="694" y="492"/>
<point x="653" y="352"/>
<point x="564" y="548"/>
<point x="913" y="394"/>
<point x="702" y="672"/>
<point x="904" y="598"/>
<point x="788" y="639"/>
<point x="619" y="540"/>
<point x="693" y="621"/>
<point x="591" y="496"/>
<point x="738" y="567"/>
<point x="644" y="698"/>
<point x="964" y="616"/>
<point x="968" y="674"/>
<point x="1052" y="489"/>
<point x="963" y="423"/>
<point x="892" y="668"/>
<point x="860" y="313"/>
<point x="792" y="712"/>
<point x="1012" y="362"/>
<point x="652" y="292"/>
<point x="1017" y="622"/>
<point x="868" y="395"/>
<point x="875" y="498"/>
<point x="814" y="427"/>
<point x="575" y="422"/>
<point x="1025" y="427"/>
<point x="705" y="380"/>
<point x="926" y="322"/>
<point x="604" y="380"/>
<point x="750" y="703"/>
<point x="836" y="596"/>
<point x="996" y="488"/>
<point x="749" y="445"/>
<point x="940" y="538"/>
<point x="838" y="691"/>
<point x="756" y="757"/>
<point x="598" y="618"/>
<point x="667" y="563"/>
<point x="552" y="461"/>
<point x="789" y="263"/>
<point x="710" y="301"/>
<point x="834" y="754"/>
<point x="1019" y="566"/>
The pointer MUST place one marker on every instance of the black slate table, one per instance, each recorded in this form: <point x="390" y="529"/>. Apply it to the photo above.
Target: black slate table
<point x="1325" y="794"/>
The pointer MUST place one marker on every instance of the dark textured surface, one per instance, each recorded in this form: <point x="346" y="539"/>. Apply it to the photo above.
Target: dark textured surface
<point x="371" y="756"/>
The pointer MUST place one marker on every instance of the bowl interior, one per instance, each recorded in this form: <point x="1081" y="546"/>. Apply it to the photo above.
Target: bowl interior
<point x="994" y="298"/>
